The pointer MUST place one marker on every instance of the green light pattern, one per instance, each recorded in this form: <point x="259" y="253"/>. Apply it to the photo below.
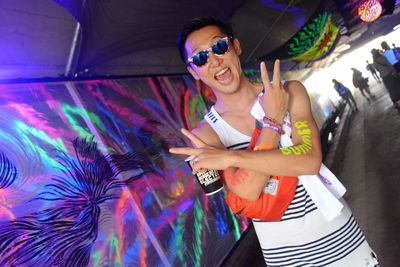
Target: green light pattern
<point x="196" y="107"/>
<point x="236" y="228"/>
<point x="70" y="111"/>
<point x="114" y="243"/>
<point x="56" y="143"/>
<point x="198" y="229"/>
<point x="322" y="45"/>
<point x="96" y="256"/>
<point x="180" y="248"/>
<point x="308" y="35"/>
<point x="23" y="131"/>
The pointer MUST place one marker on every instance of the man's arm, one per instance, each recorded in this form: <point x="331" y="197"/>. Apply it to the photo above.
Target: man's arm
<point x="249" y="184"/>
<point x="245" y="183"/>
<point x="249" y="171"/>
<point x="304" y="157"/>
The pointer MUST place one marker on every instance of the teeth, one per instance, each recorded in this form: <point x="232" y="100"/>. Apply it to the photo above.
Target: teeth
<point x="221" y="72"/>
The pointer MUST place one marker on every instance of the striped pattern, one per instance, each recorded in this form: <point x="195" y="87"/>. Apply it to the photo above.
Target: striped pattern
<point x="302" y="237"/>
<point x="243" y="145"/>
<point x="229" y="136"/>
<point x="321" y="252"/>
<point x="300" y="205"/>
<point x="212" y="117"/>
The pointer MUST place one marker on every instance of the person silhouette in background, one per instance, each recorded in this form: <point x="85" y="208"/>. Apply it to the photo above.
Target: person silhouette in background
<point x="370" y="68"/>
<point x="392" y="55"/>
<point x="390" y="78"/>
<point x="361" y="83"/>
<point x="345" y="93"/>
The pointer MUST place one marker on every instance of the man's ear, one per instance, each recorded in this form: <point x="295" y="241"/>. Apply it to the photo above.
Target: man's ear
<point x="237" y="47"/>
<point x="193" y="73"/>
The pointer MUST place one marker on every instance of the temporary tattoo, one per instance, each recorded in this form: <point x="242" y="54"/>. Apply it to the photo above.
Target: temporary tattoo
<point x="263" y="146"/>
<point x="301" y="124"/>
<point x="235" y="177"/>
<point x="306" y="146"/>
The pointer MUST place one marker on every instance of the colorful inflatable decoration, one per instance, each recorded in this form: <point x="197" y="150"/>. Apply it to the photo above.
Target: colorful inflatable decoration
<point x="314" y="40"/>
<point x="369" y="10"/>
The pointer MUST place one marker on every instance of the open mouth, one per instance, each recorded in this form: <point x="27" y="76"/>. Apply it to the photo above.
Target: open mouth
<point x="223" y="75"/>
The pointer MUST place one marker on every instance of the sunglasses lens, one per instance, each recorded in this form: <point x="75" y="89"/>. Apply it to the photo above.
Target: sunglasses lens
<point x="200" y="58"/>
<point x="220" y="47"/>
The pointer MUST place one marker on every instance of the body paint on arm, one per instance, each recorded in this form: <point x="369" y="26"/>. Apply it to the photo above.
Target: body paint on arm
<point x="235" y="176"/>
<point x="263" y="146"/>
<point x="305" y="132"/>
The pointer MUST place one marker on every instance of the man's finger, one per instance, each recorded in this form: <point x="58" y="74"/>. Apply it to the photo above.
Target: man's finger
<point x="264" y="75"/>
<point x="197" y="142"/>
<point x="277" y="72"/>
<point x="183" y="151"/>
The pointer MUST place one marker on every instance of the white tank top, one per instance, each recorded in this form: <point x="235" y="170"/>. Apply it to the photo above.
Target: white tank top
<point x="302" y="237"/>
<point x="229" y="136"/>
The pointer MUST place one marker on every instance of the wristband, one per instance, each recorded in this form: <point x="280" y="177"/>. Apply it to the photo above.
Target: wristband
<point x="272" y="124"/>
<point x="271" y="120"/>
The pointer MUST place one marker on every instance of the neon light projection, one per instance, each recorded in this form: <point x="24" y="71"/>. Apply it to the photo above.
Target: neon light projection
<point x="8" y="172"/>
<point x="66" y="230"/>
<point x="314" y="40"/>
<point x="115" y="196"/>
<point x="369" y="10"/>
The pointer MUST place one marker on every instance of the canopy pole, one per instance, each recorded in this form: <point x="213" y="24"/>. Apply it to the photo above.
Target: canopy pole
<point x="73" y="56"/>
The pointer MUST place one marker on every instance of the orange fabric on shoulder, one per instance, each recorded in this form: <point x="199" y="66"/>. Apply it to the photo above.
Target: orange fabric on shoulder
<point x="272" y="202"/>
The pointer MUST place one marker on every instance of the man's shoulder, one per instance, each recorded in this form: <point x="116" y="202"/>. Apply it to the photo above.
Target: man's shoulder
<point x="206" y="133"/>
<point x="295" y="88"/>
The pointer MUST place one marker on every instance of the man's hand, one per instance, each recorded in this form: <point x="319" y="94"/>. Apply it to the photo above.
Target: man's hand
<point x="206" y="156"/>
<point x="275" y="98"/>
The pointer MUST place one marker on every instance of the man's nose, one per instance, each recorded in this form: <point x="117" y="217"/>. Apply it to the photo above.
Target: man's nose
<point x="214" y="60"/>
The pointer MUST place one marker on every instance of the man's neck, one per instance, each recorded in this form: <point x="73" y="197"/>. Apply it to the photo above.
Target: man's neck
<point x="239" y="101"/>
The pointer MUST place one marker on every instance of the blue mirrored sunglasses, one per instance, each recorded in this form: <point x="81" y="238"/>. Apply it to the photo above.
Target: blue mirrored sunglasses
<point x="219" y="48"/>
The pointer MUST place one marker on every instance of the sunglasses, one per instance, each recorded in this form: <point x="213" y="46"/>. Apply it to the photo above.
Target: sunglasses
<point x="219" y="48"/>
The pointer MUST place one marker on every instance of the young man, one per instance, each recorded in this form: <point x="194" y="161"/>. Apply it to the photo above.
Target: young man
<point x="392" y="55"/>
<point x="345" y="93"/>
<point x="303" y="236"/>
<point x="390" y="79"/>
<point x="370" y="67"/>
<point x="360" y="82"/>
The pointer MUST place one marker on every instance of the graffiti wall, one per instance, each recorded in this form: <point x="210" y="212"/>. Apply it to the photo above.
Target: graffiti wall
<point x="86" y="178"/>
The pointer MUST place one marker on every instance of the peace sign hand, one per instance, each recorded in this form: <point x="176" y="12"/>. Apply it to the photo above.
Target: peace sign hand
<point x="275" y="98"/>
<point x="204" y="155"/>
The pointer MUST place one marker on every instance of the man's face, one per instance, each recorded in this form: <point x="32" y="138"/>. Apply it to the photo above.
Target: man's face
<point x="221" y="72"/>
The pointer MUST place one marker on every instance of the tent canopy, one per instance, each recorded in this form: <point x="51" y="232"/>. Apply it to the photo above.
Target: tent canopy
<point x="93" y="38"/>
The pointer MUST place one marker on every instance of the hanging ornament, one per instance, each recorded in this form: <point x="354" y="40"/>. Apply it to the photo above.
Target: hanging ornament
<point x="369" y="10"/>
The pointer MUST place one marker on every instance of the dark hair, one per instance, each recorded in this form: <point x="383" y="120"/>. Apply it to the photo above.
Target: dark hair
<point x="385" y="46"/>
<point x="197" y="24"/>
<point x="375" y="52"/>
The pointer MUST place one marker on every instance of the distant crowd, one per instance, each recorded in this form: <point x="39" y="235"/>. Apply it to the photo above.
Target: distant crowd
<point x="385" y="67"/>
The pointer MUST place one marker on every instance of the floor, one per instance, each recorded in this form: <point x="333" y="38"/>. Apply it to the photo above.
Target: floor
<point x="371" y="172"/>
<point x="367" y="162"/>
